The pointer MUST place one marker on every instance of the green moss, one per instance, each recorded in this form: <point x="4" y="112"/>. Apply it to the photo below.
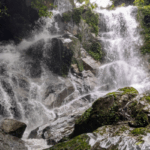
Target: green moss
<point x="79" y="64"/>
<point x="77" y="143"/>
<point x="141" y="119"/>
<point x="133" y="104"/>
<point x="140" y="131"/>
<point x="147" y="98"/>
<point x="95" y="50"/>
<point x="101" y="130"/>
<point x="96" y="117"/>
<point x="114" y="94"/>
<point x="129" y="90"/>
<point x="85" y="116"/>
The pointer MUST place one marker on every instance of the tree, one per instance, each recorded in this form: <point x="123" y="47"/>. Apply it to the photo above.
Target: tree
<point x="42" y="8"/>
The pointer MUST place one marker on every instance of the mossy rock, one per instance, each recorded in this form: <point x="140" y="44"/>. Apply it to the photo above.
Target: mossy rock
<point x="104" y="111"/>
<point x="138" y="114"/>
<point x="78" y="143"/>
<point x="140" y="131"/>
<point x="84" y="13"/>
<point x="94" y="49"/>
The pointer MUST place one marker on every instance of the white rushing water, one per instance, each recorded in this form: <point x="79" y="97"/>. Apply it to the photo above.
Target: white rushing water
<point x="123" y="66"/>
<point x="121" y="41"/>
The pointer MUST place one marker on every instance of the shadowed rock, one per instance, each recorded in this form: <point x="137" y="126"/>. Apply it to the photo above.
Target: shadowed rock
<point x="13" y="127"/>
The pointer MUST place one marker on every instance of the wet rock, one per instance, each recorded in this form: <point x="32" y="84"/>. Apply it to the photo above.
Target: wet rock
<point x="85" y="82"/>
<point x="58" y="57"/>
<point x="139" y="110"/>
<point x="90" y="64"/>
<point x="80" y="142"/>
<point x="74" y="69"/>
<point x="8" y="142"/>
<point x="13" y="127"/>
<point x="62" y="95"/>
<point x="55" y="94"/>
<point x="106" y="110"/>
<point x="35" y="51"/>
<point x="33" y="134"/>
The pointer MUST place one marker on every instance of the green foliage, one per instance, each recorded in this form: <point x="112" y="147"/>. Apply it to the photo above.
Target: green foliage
<point x="77" y="143"/>
<point x="122" y="5"/>
<point x="87" y="15"/>
<point x="95" y="51"/>
<point x="93" y="6"/>
<point x="42" y="8"/>
<point x="139" y="2"/>
<point x="3" y="10"/>
<point x="67" y="16"/>
<point x="92" y="20"/>
<point x="112" y="6"/>
<point x="144" y="19"/>
<point x="76" y="16"/>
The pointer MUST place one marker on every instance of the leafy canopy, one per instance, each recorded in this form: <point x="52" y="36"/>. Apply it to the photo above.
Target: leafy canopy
<point x="42" y="8"/>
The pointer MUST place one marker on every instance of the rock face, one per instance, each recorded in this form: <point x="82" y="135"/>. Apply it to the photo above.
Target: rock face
<point x="55" y="94"/>
<point x="13" y="127"/>
<point x="119" y="119"/>
<point x="8" y="142"/>
<point x="106" y="110"/>
<point x="80" y="143"/>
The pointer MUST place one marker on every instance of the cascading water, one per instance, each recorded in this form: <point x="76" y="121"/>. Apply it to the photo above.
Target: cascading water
<point x="121" y="42"/>
<point x="23" y="96"/>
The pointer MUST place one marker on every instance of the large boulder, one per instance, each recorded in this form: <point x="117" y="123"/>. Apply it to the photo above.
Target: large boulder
<point x="106" y="110"/>
<point x="80" y="142"/>
<point x="8" y="142"/>
<point x="13" y="127"/>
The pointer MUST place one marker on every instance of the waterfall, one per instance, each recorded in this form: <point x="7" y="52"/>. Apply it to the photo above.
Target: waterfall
<point x="121" y="42"/>
<point x="27" y="84"/>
